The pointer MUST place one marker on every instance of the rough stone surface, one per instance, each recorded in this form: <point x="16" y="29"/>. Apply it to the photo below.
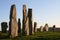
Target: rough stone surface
<point x="35" y="25"/>
<point x="41" y="28"/>
<point x="4" y="26"/>
<point x="13" y="22"/>
<point x="46" y="27"/>
<point x="54" y="28"/>
<point x="25" y="28"/>
<point x="19" y="26"/>
<point x="30" y="21"/>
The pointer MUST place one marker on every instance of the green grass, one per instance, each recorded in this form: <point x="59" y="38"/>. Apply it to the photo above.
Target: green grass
<point x="35" y="36"/>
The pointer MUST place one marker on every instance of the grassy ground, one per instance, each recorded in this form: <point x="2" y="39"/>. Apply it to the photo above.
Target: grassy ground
<point x="35" y="36"/>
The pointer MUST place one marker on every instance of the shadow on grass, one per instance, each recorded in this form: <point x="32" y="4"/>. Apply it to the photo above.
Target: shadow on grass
<point x="4" y="37"/>
<point x="37" y="36"/>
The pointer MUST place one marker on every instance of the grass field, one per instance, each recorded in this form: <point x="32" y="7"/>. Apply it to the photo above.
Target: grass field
<point x="35" y="36"/>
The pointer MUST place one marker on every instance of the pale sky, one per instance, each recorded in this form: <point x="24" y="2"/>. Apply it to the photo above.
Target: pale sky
<point x="44" y="11"/>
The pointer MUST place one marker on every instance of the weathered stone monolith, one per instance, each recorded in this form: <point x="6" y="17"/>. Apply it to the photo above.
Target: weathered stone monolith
<point x="35" y="25"/>
<point x="19" y="26"/>
<point x="13" y="25"/>
<point x="54" y="28"/>
<point x="46" y="27"/>
<point x="25" y="28"/>
<point x="30" y="21"/>
<point x="41" y="28"/>
<point x="4" y="26"/>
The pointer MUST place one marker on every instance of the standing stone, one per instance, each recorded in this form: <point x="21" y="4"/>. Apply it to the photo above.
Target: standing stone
<point x="4" y="26"/>
<point x="35" y="25"/>
<point x="46" y="27"/>
<point x="41" y="28"/>
<point x="25" y="29"/>
<point x="30" y="21"/>
<point x="13" y="26"/>
<point x="19" y="26"/>
<point x="54" y="28"/>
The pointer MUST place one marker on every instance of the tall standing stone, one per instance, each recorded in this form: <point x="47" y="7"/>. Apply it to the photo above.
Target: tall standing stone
<point x="19" y="26"/>
<point x="35" y="25"/>
<point x="13" y="26"/>
<point x="30" y="21"/>
<point x="46" y="27"/>
<point x="25" y="28"/>
<point x="41" y="28"/>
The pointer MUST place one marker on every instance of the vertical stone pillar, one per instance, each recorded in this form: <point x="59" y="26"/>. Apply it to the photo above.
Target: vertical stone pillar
<point x="13" y="26"/>
<point x="54" y="28"/>
<point x="46" y="27"/>
<point x="4" y="26"/>
<point x="25" y="28"/>
<point x="19" y="26"/>
<point x="41" y="28"/>
<point x="30" y="21"/>
<point x="35" y="25"/>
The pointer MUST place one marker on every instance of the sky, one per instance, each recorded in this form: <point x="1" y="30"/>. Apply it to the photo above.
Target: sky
<point x="44" y="11"/>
